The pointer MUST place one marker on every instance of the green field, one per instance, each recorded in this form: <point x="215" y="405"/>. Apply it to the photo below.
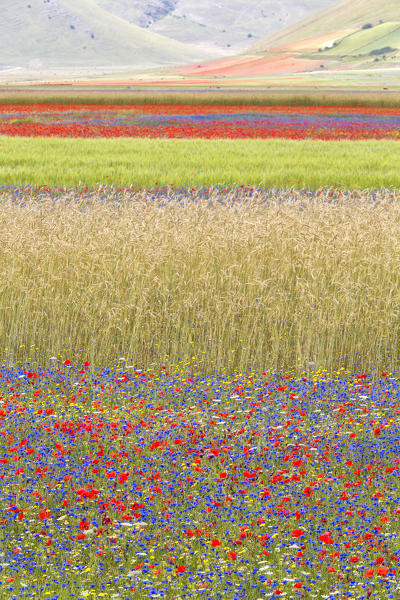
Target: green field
<point x="362" y="42"/>
<point x="197" y="162"/>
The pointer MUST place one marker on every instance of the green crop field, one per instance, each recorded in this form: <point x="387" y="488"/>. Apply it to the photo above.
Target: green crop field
<point x="185" y="162"/>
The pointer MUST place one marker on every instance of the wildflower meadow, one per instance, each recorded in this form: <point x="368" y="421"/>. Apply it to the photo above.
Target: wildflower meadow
<point x="200" y="121"/>
<point x="199" y="375"/>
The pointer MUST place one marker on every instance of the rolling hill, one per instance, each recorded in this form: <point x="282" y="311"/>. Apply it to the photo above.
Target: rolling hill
<point x="48" y="34"/>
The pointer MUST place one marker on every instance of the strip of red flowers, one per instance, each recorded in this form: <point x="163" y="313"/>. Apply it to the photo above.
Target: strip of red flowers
<point x="185" y="121"/>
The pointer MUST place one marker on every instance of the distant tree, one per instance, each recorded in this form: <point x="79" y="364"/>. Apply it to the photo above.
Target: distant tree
<point x="366" y="26"/>
<point x="382" y="51"/>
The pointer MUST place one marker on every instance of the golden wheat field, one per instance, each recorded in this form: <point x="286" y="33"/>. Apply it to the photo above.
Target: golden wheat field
<point x="277" y="280"/>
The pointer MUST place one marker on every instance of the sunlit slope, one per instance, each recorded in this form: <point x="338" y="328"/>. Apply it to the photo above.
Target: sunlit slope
<point x="348" y="14"/>
<point x="71" y="33"/>
<point x="381" y="39"/>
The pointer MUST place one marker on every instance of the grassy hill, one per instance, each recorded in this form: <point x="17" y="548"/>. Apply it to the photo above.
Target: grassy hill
<point x="380" y="40"/>
<point x="348" y="14"/>
<point x="72" y="33"/>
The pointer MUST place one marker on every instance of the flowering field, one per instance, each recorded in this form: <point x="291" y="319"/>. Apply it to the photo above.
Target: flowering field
<point x="199" y="394"/>
<point x="141" y="483"/>
<point x="200" y="121"/>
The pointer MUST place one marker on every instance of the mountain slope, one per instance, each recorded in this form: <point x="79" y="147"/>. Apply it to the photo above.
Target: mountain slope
<point x="228" y="25"/>
<point x="73" y="33"/>
<point x="349" y="15"/>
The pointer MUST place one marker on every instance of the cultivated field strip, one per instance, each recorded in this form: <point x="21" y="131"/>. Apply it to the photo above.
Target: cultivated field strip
<point x="200" y="162"/>
<point x="236" y="280"/>
<point x="122" y="94"/>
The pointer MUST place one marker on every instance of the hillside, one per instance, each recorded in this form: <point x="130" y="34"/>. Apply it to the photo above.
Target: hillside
<point x="45" y="34"/>
<point x="223" y="25"/>
<point x="352" y="36"/>
<point x="347" y="15"/>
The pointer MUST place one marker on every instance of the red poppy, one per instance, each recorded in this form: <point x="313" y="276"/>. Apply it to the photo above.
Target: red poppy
<point x="181" y="569"/>
<point x="215" y="543"/>
<point x="297" y="533"/>
<point x="326" y="538"/>
<point x="84" y="525"/>
<point x="369" y="573"/>
<point x="189" y="533"/>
